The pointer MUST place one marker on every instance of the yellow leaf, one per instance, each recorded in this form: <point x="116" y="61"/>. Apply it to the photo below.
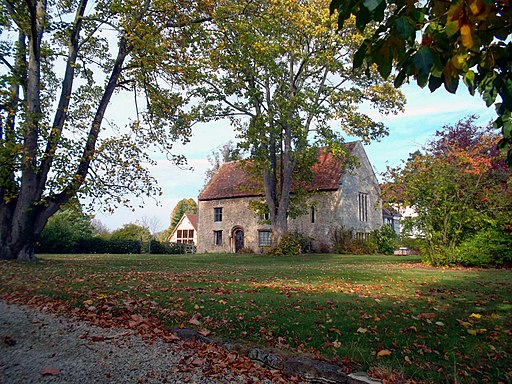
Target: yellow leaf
<point x="88" y="301"/>
<point x="472" y="332"/>
<point x="475" y="316"/>
<point x="384" y="352"/>
<point x="465" y="36"/>
<point x="477" y="7"/>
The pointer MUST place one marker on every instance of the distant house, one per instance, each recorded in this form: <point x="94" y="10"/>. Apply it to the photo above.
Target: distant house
<point x="348" y="198"/>
<point x="185" y="231"/>
<point x="392" y="218"/>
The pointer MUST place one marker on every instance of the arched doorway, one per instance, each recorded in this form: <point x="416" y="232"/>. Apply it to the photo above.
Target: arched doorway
<point x="238" y="235"/>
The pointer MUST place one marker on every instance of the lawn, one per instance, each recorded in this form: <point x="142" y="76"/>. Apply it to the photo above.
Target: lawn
<point x="376" y="313"/>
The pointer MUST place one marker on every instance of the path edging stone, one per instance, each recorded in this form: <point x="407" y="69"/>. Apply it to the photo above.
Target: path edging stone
<point x="312" y="370"/>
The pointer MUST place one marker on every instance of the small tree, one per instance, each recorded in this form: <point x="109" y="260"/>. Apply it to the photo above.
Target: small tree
<point x="458" y="186"/>
<point x="183" y="207"/>
<point x="132" y="232"/>
<point x="64" y="230"/>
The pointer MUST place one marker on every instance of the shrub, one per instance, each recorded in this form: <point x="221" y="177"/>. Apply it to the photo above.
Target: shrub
<point x="291" y="244"/>
<point x="345" y="243"/>
<point x="384" y="239"/>
<point x="490" y="247"/>
<point x="92" y="245"/>
<point x="437" y="255"/>
<point x="157" y="248"/>
<point x="123" y="246"/>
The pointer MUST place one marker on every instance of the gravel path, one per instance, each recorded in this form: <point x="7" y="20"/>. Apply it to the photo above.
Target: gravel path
<point x="36" y="347"/>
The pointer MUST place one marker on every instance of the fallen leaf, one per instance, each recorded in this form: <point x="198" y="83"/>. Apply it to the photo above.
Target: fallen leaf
<point x="440" y="323"/>
<point x="472" y="332"/>
<point x="408" y="359"/>
<point x="49" y="371"/>
<point x="336" y="344"/>
<point x="384" y="352"/>
<point x="194" y="321"/>
<point x="475" y="316"/>
<point x="362" y="330"/>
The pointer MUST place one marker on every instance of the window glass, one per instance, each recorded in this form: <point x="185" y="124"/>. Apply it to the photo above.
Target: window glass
<point x="265" y="238"/>
<point x="363" y="206"/>
<point x="217" y="237"/>
<point x="217" y="214"/>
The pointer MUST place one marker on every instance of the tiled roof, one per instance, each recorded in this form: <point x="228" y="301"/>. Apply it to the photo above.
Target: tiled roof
<point x="237" y="179"/>
<point x="193" y="219"/>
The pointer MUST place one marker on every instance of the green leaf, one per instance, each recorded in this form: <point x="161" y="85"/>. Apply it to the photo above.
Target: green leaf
<point x="506" y="92"/>
<point x="434" y="83"/>
<point x="400" y="78"/>
<point x="382" y="57"/>
<point x="452" y="28"/>
<point x="469" y="80"/>
<point x="363" y="17"/>
<point x="372" y="5"/>
<point x="378" y="14"/>
<point x="404" y="28"/>
<point x="360" y="55"/>
<point x="451" y="84"/>
<point x="423" y="61"/>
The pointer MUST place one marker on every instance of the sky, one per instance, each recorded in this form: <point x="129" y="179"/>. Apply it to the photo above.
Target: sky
<point x="425" y="112"/>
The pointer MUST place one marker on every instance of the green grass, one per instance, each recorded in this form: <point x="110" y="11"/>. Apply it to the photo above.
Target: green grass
<point x="440" y="325"/>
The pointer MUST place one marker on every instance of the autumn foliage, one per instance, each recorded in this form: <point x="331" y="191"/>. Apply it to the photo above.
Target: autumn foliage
<point x="459" y="186"/>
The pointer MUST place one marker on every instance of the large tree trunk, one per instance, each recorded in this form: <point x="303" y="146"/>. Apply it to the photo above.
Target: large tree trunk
<point x="24" y="211"/>
<point x="21" y="231"/>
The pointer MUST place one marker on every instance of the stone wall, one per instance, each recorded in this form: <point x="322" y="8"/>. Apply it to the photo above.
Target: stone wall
<point x="332" y="209"/>
<point x="360" y="180"/>
<point x="235" y="215"/>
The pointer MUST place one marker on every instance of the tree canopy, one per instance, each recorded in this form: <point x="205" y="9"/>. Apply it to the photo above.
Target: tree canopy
<point x="440" y="43"/>
<point x="283" y="75"/>
<point x="132" y="232"/>
<point x="61" y="64"/>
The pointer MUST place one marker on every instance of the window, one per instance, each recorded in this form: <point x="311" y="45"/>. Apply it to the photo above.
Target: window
<point x="217" y="214"/>
<point x="265" y="238"/>
<point x="362" y="236"/>
<point x="185" y="236"/>
<point x="363" y="206"/>
<point x="217" y="237"/>
<point x="313" y="214"/>
<point x="264" y="216"/>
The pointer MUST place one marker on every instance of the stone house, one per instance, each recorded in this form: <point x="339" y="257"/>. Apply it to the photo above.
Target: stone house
<point x="185" y="231"/>
<point x="348" y="198"/>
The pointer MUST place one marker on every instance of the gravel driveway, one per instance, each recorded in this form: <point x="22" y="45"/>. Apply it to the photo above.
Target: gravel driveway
<point x="36" y="347"/>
